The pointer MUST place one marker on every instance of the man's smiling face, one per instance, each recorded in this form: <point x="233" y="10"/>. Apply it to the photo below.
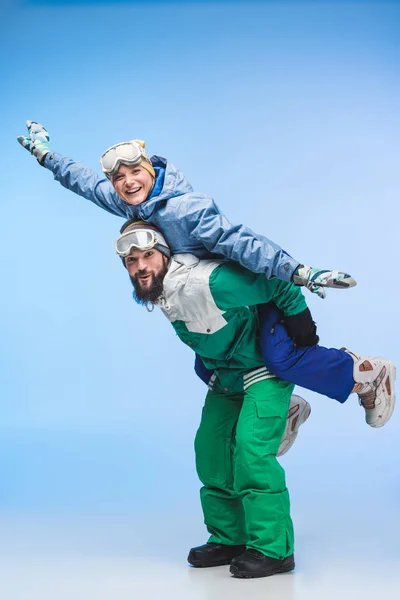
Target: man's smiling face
<point x="133" y="183"/>
<point x="147" y="270"/>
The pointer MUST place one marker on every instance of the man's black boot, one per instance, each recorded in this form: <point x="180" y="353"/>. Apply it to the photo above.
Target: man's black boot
<point x="255" y="564"/>
<point x="214" y="555"/>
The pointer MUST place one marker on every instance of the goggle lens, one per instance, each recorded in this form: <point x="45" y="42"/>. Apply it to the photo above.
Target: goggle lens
<point x="143" y="239"/>
<point x="126" y="152"/>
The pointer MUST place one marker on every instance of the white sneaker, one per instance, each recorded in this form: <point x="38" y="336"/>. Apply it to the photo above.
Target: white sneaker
<point x="299" y="411"/>
<point x="376" y="393"/>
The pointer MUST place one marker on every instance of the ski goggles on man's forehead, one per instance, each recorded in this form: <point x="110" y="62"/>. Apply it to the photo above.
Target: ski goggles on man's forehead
<point x="129" y="153"/>
<point x="142" y="239"/>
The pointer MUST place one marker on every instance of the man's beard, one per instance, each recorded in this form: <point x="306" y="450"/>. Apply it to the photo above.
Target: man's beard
<point x="152" y="293"/>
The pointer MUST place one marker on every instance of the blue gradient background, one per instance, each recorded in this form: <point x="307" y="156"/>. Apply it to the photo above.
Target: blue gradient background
<point x="288" y="115"/>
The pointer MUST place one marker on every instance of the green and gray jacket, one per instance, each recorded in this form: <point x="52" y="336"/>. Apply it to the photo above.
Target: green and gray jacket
<point x="211" y="304"/>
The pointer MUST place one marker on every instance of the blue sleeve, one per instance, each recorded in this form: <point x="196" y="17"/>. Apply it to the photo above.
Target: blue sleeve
<point x="81" y="180"/>
<point x="201" y="370"/>
<point x="327" y="371"/>
<point x="203" y="220"/>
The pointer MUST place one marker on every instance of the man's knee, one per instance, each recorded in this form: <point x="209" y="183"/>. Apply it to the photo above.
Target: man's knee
<point x="213" y="461"/>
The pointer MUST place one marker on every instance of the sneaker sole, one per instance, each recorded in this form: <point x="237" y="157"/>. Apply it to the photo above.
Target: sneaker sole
<point x="302" y="418"/>
<point x="392" y="379"/>
<point x="284" y="568"/>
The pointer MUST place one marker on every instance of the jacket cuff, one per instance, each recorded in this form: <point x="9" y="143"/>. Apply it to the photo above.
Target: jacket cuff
<point x="50" y="161"/>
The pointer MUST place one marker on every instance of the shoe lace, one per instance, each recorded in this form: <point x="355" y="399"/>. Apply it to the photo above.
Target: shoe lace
<point x="367" y="398"/>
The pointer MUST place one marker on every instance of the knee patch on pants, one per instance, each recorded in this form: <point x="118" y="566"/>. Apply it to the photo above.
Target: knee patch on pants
<point x="213" y="459"/>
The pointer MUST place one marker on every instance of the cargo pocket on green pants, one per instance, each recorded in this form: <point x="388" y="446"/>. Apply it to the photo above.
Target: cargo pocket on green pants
<point x="269" y="425"/>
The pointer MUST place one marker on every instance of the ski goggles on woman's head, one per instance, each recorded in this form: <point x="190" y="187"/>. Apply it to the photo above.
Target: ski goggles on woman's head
<point x="142" y="239"/>
<point x="129" y="153"/>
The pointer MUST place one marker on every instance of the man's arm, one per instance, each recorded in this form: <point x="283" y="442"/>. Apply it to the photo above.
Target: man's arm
<point x="232" y="286"/>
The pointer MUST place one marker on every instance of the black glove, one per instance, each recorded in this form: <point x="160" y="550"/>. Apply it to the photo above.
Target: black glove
<point x="302" y="328"/>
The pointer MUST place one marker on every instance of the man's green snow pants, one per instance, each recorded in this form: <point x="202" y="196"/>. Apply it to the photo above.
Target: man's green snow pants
<point x="244" y="495"/>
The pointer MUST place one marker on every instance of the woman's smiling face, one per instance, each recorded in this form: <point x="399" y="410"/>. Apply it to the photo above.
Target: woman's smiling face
<point x="133" y="183"/>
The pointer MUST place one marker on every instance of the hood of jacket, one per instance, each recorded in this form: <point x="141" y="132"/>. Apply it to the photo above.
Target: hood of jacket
<point x="170" y="182"/>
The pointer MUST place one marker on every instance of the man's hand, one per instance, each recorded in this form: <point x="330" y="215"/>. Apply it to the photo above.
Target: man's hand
<point x="38" y="141"/>
<point x="302" y="328"/>
<point x="316" y="280"/>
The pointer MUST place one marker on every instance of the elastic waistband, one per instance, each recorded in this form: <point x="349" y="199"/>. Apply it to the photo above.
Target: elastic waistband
<point x="249" y="378"/>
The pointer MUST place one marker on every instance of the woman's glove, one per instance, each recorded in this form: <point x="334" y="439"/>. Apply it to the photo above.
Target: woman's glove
<point x="38" y="141"/>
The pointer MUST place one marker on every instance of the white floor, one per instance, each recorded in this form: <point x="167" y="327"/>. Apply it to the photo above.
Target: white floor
<point x="104" y="558"/>
<point x="131" y="542"/>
